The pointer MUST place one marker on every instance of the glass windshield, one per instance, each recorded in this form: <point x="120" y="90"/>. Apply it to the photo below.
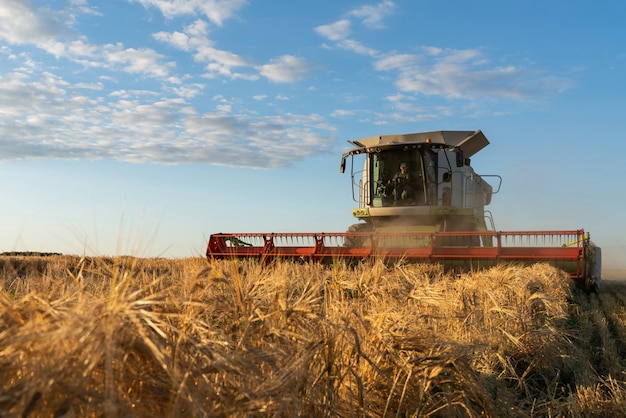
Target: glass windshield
<point x="403" y="177"/>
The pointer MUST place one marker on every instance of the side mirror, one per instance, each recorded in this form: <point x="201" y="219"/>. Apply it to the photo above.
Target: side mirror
<point x="342" y="167"/>
<point x="447" y="176"/>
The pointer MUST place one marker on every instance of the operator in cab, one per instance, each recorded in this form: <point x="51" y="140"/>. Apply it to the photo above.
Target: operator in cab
<point x="401" y="184"/>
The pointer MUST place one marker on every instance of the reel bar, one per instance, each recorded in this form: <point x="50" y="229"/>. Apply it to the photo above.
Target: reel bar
<point x="565" y="249"/>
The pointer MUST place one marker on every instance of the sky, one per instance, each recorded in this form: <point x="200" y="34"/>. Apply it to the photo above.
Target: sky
<point x="140" y="127"/>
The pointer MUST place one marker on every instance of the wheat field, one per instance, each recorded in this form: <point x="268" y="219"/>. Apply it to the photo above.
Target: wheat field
<point x="91" y="337"/>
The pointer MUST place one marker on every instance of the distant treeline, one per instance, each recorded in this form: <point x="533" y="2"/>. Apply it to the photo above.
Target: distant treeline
<point x="28" y="254"/>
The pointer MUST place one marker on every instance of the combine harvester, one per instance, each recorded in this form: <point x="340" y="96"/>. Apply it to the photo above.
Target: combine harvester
<point x="421" y="201"/>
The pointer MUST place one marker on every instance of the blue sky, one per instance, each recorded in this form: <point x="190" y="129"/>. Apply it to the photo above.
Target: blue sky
<point x="142" y="126"/>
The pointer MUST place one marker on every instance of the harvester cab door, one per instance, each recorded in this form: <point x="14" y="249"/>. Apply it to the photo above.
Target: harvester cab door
<point x="430" y="176"/>
<point x="421" y="188"/>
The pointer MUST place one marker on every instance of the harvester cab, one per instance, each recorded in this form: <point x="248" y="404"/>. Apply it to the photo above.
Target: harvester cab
<point x="420" y="182"/>
<point x="420" y="200"/>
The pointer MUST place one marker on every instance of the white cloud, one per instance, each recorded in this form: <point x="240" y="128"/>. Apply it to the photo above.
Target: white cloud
<point x="224" y="108"/>
<point x="285" y="69"/>
<point x="334" y="31"/>
<point x="187" y="91"/>
<point x="176" y="39"/>
<point x="194" y="38"/>
<point x="373" y="15"/>
<point x="132" y="60"/>
<point x="396" y="62"/>
<point x="20" y="24"/>
<point x="356" y="47"/>
<point x="339" y="31"/>
<point x="48" y="30"/>
<point x="466" y="74"/>
<point x="44" y="116"/>
<point x="217" y="11"/>
<point x="82" y="6"/>
<point x="343" y="113"/>
<point x="449" y="73"/>
<point x="89" y="86"/>
<point x="223" y="59"/>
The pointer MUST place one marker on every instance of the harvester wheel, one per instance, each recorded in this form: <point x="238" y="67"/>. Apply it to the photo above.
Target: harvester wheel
<point x="592" y="280"/>
<point x="353" y="242"/>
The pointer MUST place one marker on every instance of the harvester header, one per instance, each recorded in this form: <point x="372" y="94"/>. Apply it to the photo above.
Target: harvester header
<point x="419" y="199"/>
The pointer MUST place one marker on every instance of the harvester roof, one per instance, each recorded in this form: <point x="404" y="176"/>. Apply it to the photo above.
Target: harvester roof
<point x="469" y="141"/>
